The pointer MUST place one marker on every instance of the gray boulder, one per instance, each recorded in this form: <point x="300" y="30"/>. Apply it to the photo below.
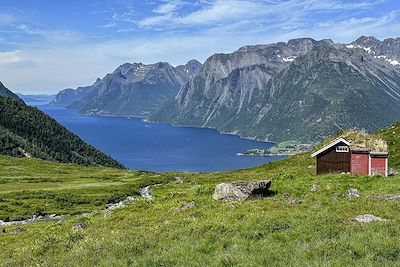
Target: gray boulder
<point x="241" y="190"/>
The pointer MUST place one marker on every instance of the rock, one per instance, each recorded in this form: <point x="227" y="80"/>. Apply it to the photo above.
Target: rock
<point x="241" y="190"/>
<point x="286" y="194"/>
<point x="178" y="180"/>
<point x="79" y="227"/>
<point x="367" y="218"/>
<point x="17" y="230"/>
<point x="392" y="172"/>
<point x="2" y="230"/>
<point x="387" y="196"/>
<point x="146" y="193"/>
<point x="186" y="206"/>
<point x="353" y="193"/>
<point x="295" y="201"/>
<point x="314" y="188"/>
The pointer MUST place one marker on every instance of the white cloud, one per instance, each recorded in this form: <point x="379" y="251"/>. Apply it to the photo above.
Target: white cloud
<point x="222" y="11"/>
<point x="10" y="57"/>
<point x="167" y="7"/>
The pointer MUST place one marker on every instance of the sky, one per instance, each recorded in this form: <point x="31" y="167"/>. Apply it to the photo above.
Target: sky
<point x="48" y="45"/>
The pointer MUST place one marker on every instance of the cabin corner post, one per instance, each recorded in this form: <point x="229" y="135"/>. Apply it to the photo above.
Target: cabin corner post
<point x="369" y="165"/>
<point x="386" y="167"/>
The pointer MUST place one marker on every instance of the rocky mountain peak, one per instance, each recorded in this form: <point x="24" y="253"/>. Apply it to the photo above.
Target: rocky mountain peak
<point x="366" y="41"/>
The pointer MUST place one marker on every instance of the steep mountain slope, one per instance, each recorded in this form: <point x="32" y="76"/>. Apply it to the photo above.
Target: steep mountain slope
<point x="132" y="89"/>
<point x="5" y="92"/>
<point x="27" y="132"/>
<point x="303" y="90"/>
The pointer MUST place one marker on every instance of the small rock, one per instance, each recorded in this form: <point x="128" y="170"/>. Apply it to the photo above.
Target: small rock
<point x="286" y="194"/>
<point x="2" y="230"/>
<point x="241" y="190"/>
<point x="367" y="218"/>
<point x="186" y="206"/>
<point x="79" y="227"/>
<point x="295" y="201"/>
<point x="353" y="193"/>
<point x="314" y="188"/>
<point x="392" y="172"/>
<point x="17" y="230"/>
<point x="387" y="196"/>
<point x="146" y="193"/>
<point x="178" y="180"/>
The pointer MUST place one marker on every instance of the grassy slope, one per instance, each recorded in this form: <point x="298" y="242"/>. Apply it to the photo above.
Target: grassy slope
<point x="257" y="232"/>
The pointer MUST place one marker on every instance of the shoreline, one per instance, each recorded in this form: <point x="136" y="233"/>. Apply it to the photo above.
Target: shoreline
<point x="171" y="124"/>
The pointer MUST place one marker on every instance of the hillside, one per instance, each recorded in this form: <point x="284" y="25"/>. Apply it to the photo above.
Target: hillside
<point x="5" y="92"/>
<point x="392" y="136"/>
<point x="27" y="132"/>
<point x="302" y="90"/>
<point x="132" y="89"/>
<point x="167" y="231"/>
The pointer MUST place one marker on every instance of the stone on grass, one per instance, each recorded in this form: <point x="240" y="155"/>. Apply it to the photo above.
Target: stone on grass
<point x="314" y="188"/>
<point x="17" y="230"/>
<point x="241" y="190"/>
<point x="79" y="227"/>
<point x="295" y="201"/>
<point x="367" y="218"/>
<point x="353" y="193"/>
<point x="286" y="194"/>
<point x="392" y="172"/>
<point x="186" y="206"/>
<point x="178" y="180"/>
<point x="2" y="230"/>
<point x="386" y="196"/>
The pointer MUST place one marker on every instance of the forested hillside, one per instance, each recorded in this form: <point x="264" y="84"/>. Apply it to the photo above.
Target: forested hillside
<point x="27" y="132"/>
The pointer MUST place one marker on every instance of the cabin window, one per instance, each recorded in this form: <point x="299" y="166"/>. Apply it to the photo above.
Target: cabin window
<point x="342" y="149"/>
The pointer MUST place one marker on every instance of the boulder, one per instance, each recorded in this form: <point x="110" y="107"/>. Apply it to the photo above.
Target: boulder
<point x="241" y="190"/>
<point x="367" y="218"/>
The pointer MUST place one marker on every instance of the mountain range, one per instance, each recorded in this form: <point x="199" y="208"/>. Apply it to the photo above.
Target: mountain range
<point x="301" y="90"/>
<point x="132" y="89"/>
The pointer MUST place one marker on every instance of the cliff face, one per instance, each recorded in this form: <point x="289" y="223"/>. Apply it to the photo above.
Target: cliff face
<point x="303" y="90"/>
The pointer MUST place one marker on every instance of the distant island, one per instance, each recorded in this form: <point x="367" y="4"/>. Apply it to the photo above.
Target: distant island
<point x="282" y="149"/>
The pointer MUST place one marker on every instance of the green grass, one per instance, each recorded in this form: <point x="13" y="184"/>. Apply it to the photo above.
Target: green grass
<point x="257" y="232"/>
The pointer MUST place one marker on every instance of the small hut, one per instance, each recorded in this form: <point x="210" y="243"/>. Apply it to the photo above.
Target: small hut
<point x="355" y="153"/>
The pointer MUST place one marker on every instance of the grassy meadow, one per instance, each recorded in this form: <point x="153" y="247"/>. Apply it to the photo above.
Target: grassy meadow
<point x="257" y="232"/>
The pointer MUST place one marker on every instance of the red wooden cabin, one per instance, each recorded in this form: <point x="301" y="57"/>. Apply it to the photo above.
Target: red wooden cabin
<point x="341" y="156"/>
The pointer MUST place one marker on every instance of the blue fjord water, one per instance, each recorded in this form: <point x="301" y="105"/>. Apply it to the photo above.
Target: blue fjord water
<point x="160" y="147"/>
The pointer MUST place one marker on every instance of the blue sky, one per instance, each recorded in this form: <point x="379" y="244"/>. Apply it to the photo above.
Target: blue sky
<point x="49" y="45"/>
